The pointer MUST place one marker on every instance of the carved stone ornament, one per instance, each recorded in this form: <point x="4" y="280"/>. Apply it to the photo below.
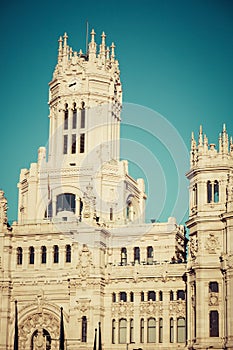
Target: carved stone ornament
<point x="193" y="246"/>
<point x="3" y="209"/>
<point x="85" y="262"/>
<point x="178" y="308"/>
<point x="212" y="243"/>
<point x="122" y="309"/>
<point x="213" y="299"/>
<point x="83" y="305"/>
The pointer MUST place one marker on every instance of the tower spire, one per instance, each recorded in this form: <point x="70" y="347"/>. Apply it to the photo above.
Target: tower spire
<point x="60" y="49"/>
<point x="112" y="52"/>
<point x="92" y="47"/>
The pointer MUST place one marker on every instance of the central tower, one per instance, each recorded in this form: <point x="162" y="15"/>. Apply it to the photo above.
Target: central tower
<point x="82" y="178"/>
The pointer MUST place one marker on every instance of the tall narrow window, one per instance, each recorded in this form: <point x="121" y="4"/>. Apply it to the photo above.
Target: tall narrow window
<point x="113" y="331"/>
<point x="19" y="256"/>
<point x="171" y="330"/>
<point x="213" y="287"/>
<point x="66" y="113"/>
<point x="73" y="147"/>
<point x="151" y="295"/>
<point x="216" y="191"/>
<point x="123" y="296"/>
<point x="43" y="254"/>
<point x="83" y="115"/>
<point x="131" y="297"/>
<point x="171" y="295"/>
<point x="122" y="331"/>
<point x="113" y="297"/>
<point x="65" y="144"/>
<point x="74" y="121"/>
<point x="68" y="253"/>
<point x="150" y="255"/>
<point x="123" y="256"/>
<point x="214" y="324"/>
<point x="111" y="214"/>
<point x="82" y="143"/>
<point x="151" y="330"/>
<point x="209" y="192"/>
<point x="31" y="255"/>
<point x="142" y="296"/>
<point x="137" y="254"/>
<point x="160" y="330"/>
<point x="160" y="295"/>
<point x="84" y="329"/>
<point x="180" y="330"/>
<point x="195" y="195"/>
<point x="131" y="331"/>
<point x="55" y="254"/>
<point x="142" y="330"/>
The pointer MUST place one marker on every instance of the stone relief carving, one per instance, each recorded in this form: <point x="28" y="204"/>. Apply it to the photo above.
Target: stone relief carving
<point x="212" y="243"/>
<point x="3" y="209"/>
<point x="193" y="246"/>
<point x="178" y="308"/>
<point x="213" y="299"/>
<point x="122" y="309"/>
<point x="85" y="262"/>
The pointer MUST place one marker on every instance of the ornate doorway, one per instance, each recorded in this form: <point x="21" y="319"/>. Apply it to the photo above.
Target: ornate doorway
<point x="40" y="340"/>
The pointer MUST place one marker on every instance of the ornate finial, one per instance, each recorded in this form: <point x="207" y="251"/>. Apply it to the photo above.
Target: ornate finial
<point x="220" y="143"/>
<point x="107" y="53"/>
<point x="205" y="143"/>
<point x="200" y="140"/>
<point x="224" y="139"/>
<point x="93" y="36"/>
<point x="3" y="209"/>
<point x="231" y="145"/>
<point x="113" y="51"/>
<point x="80" y="53"/>
<point x="60" y="49"/>
<point x="103" y="36"/>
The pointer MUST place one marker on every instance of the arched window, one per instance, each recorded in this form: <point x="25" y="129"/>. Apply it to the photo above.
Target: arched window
<point x="113" y="297"/>
<point x="181" y="295"/>
<point x="19" y="256"/>
<point x="131" y="331"/>
<point x="129" y="211"/>
<point x="84" y="329"/>
<point x="142" y="296"/>
<point x="66" y="201"/>
<point x="195" y="195"/>
<point x="74" y="121"/>
<point x="160" y="330"/>
<point x="55" y="254"/>
<point x="48" y="211"/>
<point x="83" y="113"/>
<point x="171" y="295"/>
<point x="209" y="192"/>
<point x="216" y="191"/>
<point x="122" y="331"/>
<point x="150" y="255"/>
<point x="214" y="324"/>
<point x="151" y="295"/>
<point x="73" y="146"/>
<point x="43" y="254"/>
<point x="113" y="331"/>
<point x="66" y="113"/>
<point x="123" y="256"/>
<point x="171" y="330"/>
<point x="137" y="254"/>
<point x="123" y="296"/>
<point x="213" y="287"/>
<point x="68" y="253"/>
<point x="38" y="336"/>
<point x="160" y="295"/>
<point x="142" y="330"/>
<point x="31" y="255"/>
<point x="131" y="297"/>
<point x="151" y="330"/>
<point x="181" y="330"/>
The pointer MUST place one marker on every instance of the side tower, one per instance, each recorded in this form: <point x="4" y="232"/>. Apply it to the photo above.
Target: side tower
<point x="210" y="268"/>
<point x="83" y="178"/>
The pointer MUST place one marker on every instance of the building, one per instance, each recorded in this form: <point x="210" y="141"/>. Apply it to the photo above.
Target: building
<point x="81" y="241"/>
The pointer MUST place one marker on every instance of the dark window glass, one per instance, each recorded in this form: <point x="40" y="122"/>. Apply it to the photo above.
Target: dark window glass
<point x="131" y="335"/>
<point x="181" y="294"/>
<point x="43" y="254"/>
<point x="171" y="295"/>
<point x="113" y="331"/>
<point x="65" y="144"/>
<point x="131" y="297"/>
<point x="84" y="329"/>
<point x="137" y="254"/>
<point x="123" y="296"/>
<point x="160" y="330"/>
<point x="142" y="331"/>
<point x="113" y="297"/>
<point x="216" y="192"/>
<point x="19" y="256"/>
<point x="31" y="255"/>
<point x="160" y="296"/>
<point x="142" y="296"/>
<point x="213" y="287"/>
<point x="66" y="113"/>
<point x="123" y="256"/>
<point x="151" y="295"/>
<point x="83" y="114"/>
<point x="82" y="143"/>
<point x="111" y="214"/>
<point x="66" y="202"/>
<point x="74" y="122"/>
<point x="214" y="324"/>
<point x="181" y="330"/>
<point x="55" y="254"/>
<point x="68" y="253"/>
<point x="171" y="330"/>
<point x="73" y="149"/>
<point x="209" y="192"/>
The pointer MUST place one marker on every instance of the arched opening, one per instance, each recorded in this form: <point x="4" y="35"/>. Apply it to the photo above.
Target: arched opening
<point x="40" y="339"/>
<point x="216" y="191"/>
<point x="209" y="192"/>
<point x="123" y="256"/>
<point x="65" y="202"/>
<point x="19" y="256"/>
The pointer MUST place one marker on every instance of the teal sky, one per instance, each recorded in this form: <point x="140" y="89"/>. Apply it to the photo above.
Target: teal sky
<point x="176" y="58"/>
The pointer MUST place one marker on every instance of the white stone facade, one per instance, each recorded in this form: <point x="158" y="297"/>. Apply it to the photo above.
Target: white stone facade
<point x="81" y="242"/>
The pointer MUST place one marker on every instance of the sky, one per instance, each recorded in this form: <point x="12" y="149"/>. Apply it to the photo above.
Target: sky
<point x="176" y="62"/>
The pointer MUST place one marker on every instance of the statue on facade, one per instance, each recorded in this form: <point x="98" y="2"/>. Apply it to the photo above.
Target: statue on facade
<point x="39" y="341"/>
<point x="3" y="209"/>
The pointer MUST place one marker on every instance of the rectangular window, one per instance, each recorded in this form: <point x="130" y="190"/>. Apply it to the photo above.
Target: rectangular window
<point x="82" y="143"/>
<point x="171" y="330"/>
<point x="73" y="148"/>
<point x="65" y="143"/>
<point x="160" y="330"/>
<point x="66" y="120"/>
<point x="214" y="324"/>
<point x="142" y="331"/>
<point x="83" y="112"/>
<point x="74" y="124"/>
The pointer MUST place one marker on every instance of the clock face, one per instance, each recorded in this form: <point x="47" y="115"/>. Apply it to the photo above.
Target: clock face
<point x="74" y="84"/>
